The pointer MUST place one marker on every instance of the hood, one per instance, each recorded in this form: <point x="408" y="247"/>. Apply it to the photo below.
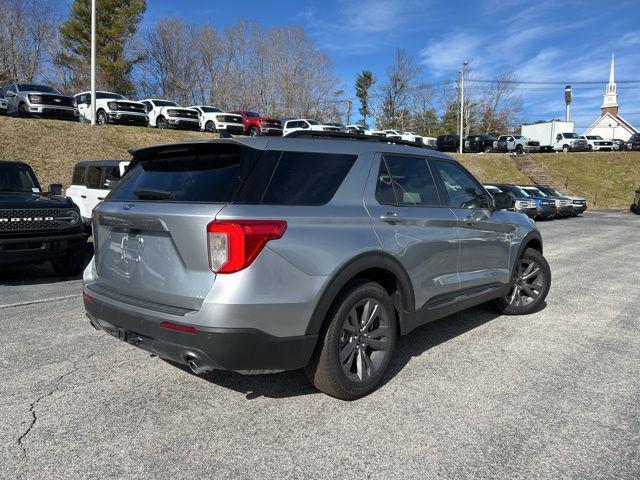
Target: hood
<point x="19" y="200"/>
<point x="36" y="92"/>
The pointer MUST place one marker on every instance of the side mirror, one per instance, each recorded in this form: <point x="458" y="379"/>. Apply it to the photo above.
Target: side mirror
<point x="503" y="201"/>
<point x="55" y="189"/>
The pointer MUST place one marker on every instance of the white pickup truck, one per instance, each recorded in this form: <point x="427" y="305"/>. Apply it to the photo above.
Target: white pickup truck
<point x="91" y="182"/>
<point x="515" y="144"/>
<point x="111" y="108"/>
<point x="167" y="114"/>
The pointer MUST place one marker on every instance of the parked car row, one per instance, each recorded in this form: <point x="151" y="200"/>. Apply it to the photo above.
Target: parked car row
<point x="542" y="202"/>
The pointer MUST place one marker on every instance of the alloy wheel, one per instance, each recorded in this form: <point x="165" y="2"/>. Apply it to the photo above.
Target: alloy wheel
<point x="364" y="341"/>
<point x="528" y="283"/>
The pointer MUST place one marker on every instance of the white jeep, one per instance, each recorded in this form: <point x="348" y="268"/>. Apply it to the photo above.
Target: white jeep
<point x="167" y="114"/>
<point x="214" y="119"/>
<point x="91" y="182"/>
<point x="111" y="108"/>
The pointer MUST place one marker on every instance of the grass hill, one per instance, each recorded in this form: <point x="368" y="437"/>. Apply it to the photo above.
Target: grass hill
<point x="51" y="147"/>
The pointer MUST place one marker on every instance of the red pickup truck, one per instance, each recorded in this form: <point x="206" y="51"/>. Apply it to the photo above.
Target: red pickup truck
<point x="255" y="124"/>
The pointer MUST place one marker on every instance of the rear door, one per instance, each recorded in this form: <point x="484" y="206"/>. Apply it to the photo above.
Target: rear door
<point x="77" y="191"/>
<point x="413" y="225"/>
<point x="484" y="234"/>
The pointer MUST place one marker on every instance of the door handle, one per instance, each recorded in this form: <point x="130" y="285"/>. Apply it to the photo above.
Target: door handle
<point x="83" y="196"/>
<point x="100" y="198"/>
<point x="389" y="217"/>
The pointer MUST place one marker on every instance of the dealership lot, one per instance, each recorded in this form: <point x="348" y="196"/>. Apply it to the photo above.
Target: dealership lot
<point x="551" y="395"/>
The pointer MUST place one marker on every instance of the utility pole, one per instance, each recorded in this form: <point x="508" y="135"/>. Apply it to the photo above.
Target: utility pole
<point x="93" y="62"/>
<point x="464" y="64"/>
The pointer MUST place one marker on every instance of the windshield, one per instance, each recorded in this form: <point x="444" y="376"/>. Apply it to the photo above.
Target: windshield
<point x="535" y="192"/>
<point x="252" y="114"/>
<point x="17" y="178"/>
<point x="165" y="103"/>
<point x="570" y="135"/>
<point x="594" y="137"/>
<point x="106" y="95"/>
<point x="211" y="109"/>
<point x="552" y="191"/>
<point x="519" y="191"/>
<point x="30" y="87"/>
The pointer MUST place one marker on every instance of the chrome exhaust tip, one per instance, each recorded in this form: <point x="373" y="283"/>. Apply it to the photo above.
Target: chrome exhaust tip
<point x="197" y="367"/>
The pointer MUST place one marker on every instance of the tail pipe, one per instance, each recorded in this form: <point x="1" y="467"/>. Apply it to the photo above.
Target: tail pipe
<point x="197" y="366"/>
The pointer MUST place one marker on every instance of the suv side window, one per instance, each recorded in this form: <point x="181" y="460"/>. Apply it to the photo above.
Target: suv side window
<point x="462" y="189"/>
<point x="78" y="176"/>
<point x="410" y="181"/>
<point x="94" y="176"/>
<point x="111" y="177"/>
<point x="302" y="178"/>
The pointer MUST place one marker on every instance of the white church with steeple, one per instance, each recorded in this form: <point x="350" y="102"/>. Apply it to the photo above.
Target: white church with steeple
<point x="611" y="125"/>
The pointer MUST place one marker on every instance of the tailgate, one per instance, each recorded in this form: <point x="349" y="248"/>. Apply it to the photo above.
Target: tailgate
<point x="155" y="252"/>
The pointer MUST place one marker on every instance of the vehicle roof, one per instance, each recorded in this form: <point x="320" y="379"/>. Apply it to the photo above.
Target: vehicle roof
<point x="349" y="146"/>
<point x="100" y="163"/>
<point x="13" y="162"/>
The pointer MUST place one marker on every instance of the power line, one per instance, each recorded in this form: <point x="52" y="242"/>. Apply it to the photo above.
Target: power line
<point x="568" y="82"/>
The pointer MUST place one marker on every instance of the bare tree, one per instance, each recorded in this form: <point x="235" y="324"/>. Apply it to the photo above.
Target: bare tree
<point x="27" y="28"/>
<point x="171" y="69"/>
<point x="499" y="105"/>
<point x="396" y="92"/>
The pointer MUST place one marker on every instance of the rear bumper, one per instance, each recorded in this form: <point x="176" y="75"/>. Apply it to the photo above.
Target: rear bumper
<point x="238" y="349"/>
<point x="28" y="250"/>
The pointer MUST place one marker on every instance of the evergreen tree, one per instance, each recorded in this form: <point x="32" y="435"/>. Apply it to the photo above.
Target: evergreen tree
<point x="364" y="81"/>
<point x="116" y="24"/>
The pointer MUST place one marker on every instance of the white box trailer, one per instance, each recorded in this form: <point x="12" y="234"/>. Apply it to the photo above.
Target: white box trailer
<point x="546" y="133"/>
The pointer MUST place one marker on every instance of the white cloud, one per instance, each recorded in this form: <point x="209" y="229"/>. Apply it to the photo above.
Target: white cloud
<point x="450" y="51"/>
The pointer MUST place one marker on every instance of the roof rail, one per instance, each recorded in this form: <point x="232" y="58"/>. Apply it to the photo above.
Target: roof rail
<point x="355" y="136"/>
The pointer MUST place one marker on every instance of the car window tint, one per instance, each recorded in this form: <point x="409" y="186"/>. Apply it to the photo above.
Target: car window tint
<point x="412" y="181"/>
<point x="384" y="187"/>
<point x="302" y="178"/>
<point x="111" y="177"/>
<point x="78" y="176"/>
<point x="462" y="189"/>
<point x="94" y="175"/>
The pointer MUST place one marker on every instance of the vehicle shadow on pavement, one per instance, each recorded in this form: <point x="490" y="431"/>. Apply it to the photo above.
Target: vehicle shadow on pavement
<point x="295" y="383"/>
<point x="424" y="338"/>
<point x="37" y="274"/>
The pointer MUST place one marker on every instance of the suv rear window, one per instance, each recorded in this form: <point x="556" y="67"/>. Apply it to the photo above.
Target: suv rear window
<point x="233" y="174"/>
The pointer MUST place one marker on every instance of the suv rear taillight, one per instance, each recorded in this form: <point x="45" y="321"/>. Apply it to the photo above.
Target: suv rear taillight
<point x="235" y="244"/>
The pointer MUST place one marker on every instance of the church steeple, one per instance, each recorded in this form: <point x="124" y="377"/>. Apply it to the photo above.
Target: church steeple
<point x="610" y="96"/>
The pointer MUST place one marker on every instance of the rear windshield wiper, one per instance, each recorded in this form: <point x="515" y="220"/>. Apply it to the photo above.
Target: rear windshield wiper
<point x="152" y="194"/>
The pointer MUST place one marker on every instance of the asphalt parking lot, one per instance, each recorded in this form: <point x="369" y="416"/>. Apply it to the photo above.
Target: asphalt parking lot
<point x="475" y="395"/>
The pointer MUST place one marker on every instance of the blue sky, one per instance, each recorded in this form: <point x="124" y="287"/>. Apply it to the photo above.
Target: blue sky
<point x="542" y="41"/>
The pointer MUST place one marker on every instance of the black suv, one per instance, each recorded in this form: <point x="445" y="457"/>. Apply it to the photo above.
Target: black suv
<point x="634" y="142"/>
<point x="36" y="227"/>
<point x="448" y="143"/>
<point x="478" y="143"/>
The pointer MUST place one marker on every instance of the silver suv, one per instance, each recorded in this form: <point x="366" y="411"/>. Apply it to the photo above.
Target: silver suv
<point x="267" y="254"/>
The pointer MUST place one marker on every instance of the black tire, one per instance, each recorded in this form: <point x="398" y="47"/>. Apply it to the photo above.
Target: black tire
<point x="519" y="149"/>
<point x="254" y="132"/>
<point x="342" y="366"/>
<point x="590" y="148"/>
<point x="210" y="127"/>
<point x="531" y="277"/>
<point x="161" y="123"/>
<point x="102" y="118"/>
<point x="22" y="111"/>
<point x="565" y="148"/>
<point x="634" y="209"/>
<point x="72" y="264"/>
